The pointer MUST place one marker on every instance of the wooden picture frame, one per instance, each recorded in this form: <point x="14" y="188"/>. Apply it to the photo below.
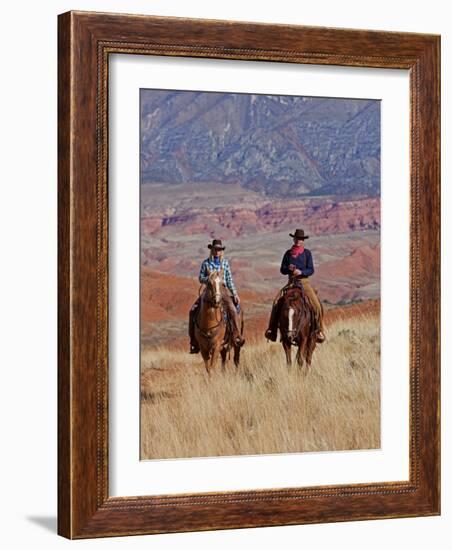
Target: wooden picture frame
<point x="85" y="42"/>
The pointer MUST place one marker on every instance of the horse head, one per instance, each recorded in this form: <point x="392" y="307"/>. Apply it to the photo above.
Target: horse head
<point x="292" y="314"/>
<point x="213" y="288"/>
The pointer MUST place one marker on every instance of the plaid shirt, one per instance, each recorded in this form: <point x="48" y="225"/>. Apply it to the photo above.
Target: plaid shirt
<point x="227" y="275"/>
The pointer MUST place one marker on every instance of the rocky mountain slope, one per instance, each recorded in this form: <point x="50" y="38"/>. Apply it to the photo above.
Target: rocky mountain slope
<point x="279" y="146"/>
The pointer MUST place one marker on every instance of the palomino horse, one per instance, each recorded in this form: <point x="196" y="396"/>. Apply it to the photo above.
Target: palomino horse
<point x="297" y="325"/>
<point x="212" y="333"/>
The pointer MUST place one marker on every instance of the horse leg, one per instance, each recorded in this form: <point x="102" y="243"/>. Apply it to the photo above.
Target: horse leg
<point x="224" y="354"/>
<point x="242" y="325"/>
<point x="237" y="355"/>
<point x="302" y="348"/>
<point x="207" y="364"/>
<point x="310" y="351"/>
<point x="300" y="354"/>
<point x="288" y="352"/>
<point x="238" y="348"/>
<point x="205" y="354"/>
<point x="214" y="355"/>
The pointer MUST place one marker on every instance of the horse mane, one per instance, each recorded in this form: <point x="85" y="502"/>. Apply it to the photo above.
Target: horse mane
<point x="294" y="294"/>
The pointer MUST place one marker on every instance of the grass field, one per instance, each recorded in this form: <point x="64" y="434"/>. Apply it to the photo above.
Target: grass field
<point x="263" y="407"/>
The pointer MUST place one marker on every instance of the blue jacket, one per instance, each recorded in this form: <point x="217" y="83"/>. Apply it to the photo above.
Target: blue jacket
<point x="303" y="262"/>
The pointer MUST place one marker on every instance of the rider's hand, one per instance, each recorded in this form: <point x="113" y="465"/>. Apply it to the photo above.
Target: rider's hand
<point x="237" y="299"/>
<point x="297" y="272"/>
<point x="291" y="267"/>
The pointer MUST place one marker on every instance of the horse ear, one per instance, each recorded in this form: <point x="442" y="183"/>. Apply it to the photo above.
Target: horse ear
<point x="208" y="270"/>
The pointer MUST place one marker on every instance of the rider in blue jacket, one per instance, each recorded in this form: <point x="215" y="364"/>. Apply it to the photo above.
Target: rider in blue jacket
<point x="297" y="263"/>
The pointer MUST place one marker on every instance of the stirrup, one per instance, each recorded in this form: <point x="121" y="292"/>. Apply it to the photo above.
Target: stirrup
<point x="270" y="336"/>
<point x="239" y="341"/>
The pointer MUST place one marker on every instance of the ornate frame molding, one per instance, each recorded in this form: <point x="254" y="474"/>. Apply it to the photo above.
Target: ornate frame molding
<point x="85" y="42"/>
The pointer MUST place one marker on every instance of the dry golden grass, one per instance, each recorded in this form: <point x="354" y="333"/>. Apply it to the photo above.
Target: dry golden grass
<point x="263" y="407"/>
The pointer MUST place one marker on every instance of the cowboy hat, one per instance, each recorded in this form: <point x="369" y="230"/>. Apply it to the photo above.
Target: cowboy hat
<point x="299" y="234"/>
<point x="216" y="243"/>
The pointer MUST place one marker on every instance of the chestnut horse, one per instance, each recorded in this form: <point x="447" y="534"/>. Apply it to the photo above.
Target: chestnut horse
<point x="212" y="333"/>
<point x="297" y="325"/>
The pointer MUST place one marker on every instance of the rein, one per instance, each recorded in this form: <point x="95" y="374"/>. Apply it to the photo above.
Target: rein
<point x="207" y="333"/>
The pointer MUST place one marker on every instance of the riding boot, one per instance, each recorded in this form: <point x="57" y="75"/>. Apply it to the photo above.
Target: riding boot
<point x="272" y="332"/>
<point x="233" y="317"/>
<point x="194" y="346"/>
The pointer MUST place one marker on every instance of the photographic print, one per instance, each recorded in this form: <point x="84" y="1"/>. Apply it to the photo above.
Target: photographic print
<point x="260" y="274"/>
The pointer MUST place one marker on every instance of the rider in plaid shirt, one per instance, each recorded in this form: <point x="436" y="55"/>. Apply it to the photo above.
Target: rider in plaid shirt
<point x="212" y="264"/>
<point x="231" y="299"/>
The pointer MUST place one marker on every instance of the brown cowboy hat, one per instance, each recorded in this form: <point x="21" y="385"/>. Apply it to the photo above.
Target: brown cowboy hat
<point x="299" y="234"/>
<point x="216" y="243"/>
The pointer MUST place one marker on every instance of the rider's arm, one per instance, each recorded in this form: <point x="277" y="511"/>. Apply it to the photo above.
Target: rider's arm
<point x="203" y="278"/>
<point x="228" y="278"/>
<point x="309" y="270"/>
<point x="285" y="265"/>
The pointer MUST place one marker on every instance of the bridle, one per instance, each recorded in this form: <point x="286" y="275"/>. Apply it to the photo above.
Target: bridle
<point x="299" y="310"/>
<point x="214" y="299"/>
<point x="214" y="296"/>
